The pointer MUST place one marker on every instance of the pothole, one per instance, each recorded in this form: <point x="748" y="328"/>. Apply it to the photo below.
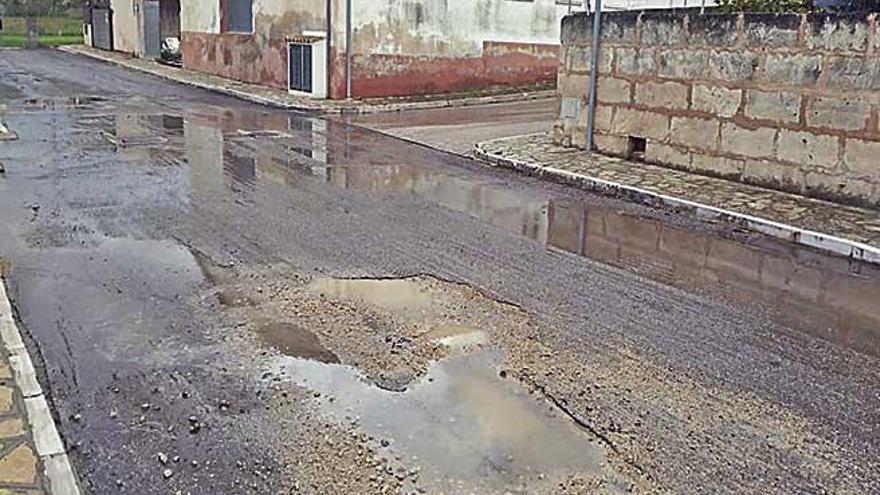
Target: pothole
<point x="403" y="296"/>
<point x="457" y="336"/>
<point x="295" y="341"/>
<point x="464" y="428"/>
<point x="414" y="365"/>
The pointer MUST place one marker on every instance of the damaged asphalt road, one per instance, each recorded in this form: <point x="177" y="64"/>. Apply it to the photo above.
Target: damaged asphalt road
<point x="227" y="299"/>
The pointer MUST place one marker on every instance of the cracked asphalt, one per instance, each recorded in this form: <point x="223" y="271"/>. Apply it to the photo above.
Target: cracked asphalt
<point x="222" y="298"/>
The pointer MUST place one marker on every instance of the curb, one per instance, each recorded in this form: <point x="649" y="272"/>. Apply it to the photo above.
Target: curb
<point x="817" y="240"/>
<point x="49" y="447"/>
<point x="362" y="108"/>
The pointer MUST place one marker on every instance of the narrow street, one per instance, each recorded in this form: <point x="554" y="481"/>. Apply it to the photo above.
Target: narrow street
<point x="222" y="298"/>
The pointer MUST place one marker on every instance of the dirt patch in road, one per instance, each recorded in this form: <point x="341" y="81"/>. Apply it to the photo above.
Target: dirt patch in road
<point x="417" y="399"/>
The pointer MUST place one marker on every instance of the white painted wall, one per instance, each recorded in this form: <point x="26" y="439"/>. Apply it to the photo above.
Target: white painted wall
<point x="202" y="16"/>
<point x="279" y="8"/>
<point x="126" y="30"/>
<point x="457" y="27"/>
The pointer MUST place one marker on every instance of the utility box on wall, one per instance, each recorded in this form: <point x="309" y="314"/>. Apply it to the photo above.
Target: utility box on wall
<point x="307" y="65"/>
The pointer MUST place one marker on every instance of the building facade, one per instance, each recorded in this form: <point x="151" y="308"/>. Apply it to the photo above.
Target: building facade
<point x="398" y="47"/>
<point x="131" y="26"/>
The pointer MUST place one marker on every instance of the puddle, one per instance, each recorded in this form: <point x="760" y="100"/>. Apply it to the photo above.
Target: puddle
<point x="295" y="341"/>
<point x="239" y="152"/>
<point x="143" y="129"/>
<point x="396" y="295"/>
<point x="60" y="103"/>
<point x="467" y="429"/>
<point x="457" y="336"/>
<point x="828" y="297"/>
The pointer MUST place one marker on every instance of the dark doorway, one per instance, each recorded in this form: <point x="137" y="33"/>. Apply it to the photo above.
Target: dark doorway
<point x="169" y="19"/>
<point x="102" y="27"/>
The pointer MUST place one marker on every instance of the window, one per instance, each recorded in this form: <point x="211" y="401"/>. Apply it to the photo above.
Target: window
<point x="239" y="16"/>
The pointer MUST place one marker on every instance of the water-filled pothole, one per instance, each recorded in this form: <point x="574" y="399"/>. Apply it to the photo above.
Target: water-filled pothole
<point x="457" y="336"/>
<point x="396" y="295"/>
<point x="295" y="341"/>
<point x="465" y="428"/>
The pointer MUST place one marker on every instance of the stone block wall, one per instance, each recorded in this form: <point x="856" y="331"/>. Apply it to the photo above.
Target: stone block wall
<point x="788" y="101"/>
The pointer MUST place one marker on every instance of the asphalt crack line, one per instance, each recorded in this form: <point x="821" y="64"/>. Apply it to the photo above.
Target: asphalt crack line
<point x="586" y="426"/>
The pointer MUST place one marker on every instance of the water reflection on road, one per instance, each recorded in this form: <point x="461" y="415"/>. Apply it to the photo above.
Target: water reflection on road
<point x="240" y="152"/>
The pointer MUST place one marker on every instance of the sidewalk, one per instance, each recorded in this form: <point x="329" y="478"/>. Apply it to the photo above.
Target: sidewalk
<point x="32" y="457"/>
<point x="281" y="99"/>
<point x="844" y="230"/>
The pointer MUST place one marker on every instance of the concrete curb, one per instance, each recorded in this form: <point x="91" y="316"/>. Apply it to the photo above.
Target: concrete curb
<point x="817" y="240"/>
<point x="49" y="447"/>
<point x="318" y="106"/>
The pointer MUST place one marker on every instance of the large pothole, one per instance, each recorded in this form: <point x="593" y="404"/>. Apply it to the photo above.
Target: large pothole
<point x="461" y="426"/>
<point x="416" y="368"/>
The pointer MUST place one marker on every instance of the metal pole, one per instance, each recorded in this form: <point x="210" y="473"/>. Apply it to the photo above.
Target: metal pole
<point x="328" y="47"/>
<point x="569" y="6"/>
<point x="594" y="69"/>
<point x="348" y="37"/>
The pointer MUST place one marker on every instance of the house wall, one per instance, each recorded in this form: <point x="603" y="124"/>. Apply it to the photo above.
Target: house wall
<point x="259" y="57"/>
<point x="126" y="26"/>
<point x="788" y="101"/>
<point x="406" y="47"/>
<point x="401" y="47"/>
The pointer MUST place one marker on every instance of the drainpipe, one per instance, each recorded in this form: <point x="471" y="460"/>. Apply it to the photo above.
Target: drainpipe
<point x="348" y="37"/>
<point x="594" y="69"/>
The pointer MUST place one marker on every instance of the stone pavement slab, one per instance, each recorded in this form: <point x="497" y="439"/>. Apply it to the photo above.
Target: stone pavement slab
<point x="846" y="230"/>
<point x="32" y="457"/>
<point x="281" y="99"/>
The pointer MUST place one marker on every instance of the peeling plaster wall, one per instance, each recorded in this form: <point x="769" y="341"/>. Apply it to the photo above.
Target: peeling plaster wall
<point x="401" y="47"/>
<point x="259" y="57"/>
<point x="200" y="16"/>
<point x="126" y="29"/>
<point x="790" y="101"/>
<point x="407" y="47"/>
<point x="450" y="28"/>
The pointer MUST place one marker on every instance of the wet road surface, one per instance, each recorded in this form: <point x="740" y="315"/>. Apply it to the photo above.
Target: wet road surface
<point x="227" y="299"/>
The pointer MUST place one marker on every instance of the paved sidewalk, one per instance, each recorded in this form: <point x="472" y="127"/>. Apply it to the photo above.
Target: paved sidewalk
<point x="32" y="457"/>
<point x="845" y="230"/>
<point x="457" y="130"/>
<point x="281" y="99"/>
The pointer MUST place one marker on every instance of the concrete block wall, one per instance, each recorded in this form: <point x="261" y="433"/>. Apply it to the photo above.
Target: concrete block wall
<point x="788" y="101"/>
